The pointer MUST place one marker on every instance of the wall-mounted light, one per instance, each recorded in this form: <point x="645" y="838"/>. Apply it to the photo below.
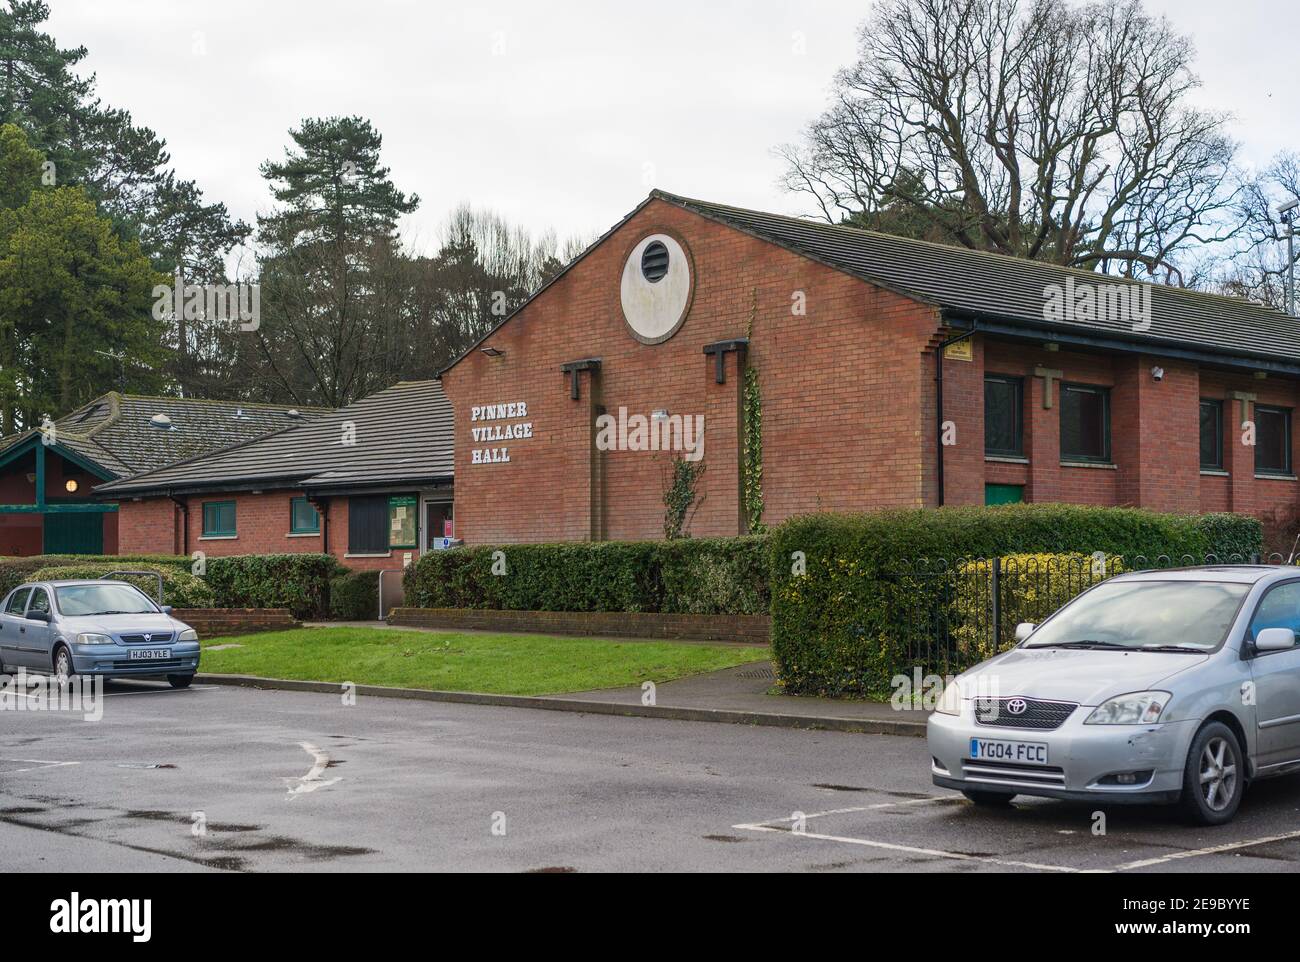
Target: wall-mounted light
<point x="493" y="351"/>
<point x="1157" y="374"/>
<point x="1052" y="347"/>
<point x="31" y="477"/>
<point x="71" y="485"/>
<point x="1261" y="375"/>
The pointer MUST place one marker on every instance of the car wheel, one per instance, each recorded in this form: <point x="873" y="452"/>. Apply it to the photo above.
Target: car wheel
<point x="180" y="681"/>
<point x="64" y="671"/>
<point x="988" y="799"/>
<point x="1214" y="778"/>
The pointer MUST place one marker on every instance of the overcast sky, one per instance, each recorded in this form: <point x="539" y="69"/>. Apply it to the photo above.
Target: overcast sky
<point x="555" y="114"/>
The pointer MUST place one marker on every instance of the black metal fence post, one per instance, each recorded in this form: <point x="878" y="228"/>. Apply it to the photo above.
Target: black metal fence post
<point x="997" y="605"/>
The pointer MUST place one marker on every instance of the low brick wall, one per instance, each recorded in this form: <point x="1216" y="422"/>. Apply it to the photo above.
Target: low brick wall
<point x="216" y="622"/>
<point x="751" y="629"/>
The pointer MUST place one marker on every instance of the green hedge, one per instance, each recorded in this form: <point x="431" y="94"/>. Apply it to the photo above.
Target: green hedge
<point x="180" y="588"/>
<point x="703" y="576"/>
<point x="14" y="571"/>
<point x="299" y="582"/>
<point x="355" y="596"/>
<point x="836" y="621"/>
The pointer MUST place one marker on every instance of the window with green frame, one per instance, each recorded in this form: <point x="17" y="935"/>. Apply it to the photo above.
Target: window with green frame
<point x="218" y="519"/>
<point x="303" y="517"/>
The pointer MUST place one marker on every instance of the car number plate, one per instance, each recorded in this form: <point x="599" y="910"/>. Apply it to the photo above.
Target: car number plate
<point x="149" y="654"/>
<point x="1023" y="753"/>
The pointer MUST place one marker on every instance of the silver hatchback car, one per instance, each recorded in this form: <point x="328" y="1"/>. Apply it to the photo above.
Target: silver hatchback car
<point x="108" y="628"/>
<point x="1155" y="687"/>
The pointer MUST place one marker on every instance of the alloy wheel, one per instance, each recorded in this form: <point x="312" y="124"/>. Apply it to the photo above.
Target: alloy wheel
<point x="62" y="666"/>
<point x="1218" y="774"/>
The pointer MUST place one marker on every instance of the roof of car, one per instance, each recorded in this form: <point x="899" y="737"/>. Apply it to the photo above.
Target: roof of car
<point x="1238" y="574"/>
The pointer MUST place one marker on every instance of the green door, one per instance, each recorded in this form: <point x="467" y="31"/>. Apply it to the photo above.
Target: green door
<point x="1004" y="493"/>
<point x="74" y="533"/>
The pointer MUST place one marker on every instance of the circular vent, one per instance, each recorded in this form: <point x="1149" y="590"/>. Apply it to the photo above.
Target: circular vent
<point x="161" y="421"/>
<point x="656" y="288"/>
<point x="654" y="262"/>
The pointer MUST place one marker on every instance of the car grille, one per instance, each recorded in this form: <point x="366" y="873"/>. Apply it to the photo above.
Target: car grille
<point x="1043" y="716"/>
<point x="155" y="638"/>
<point x="1008" y="773"/>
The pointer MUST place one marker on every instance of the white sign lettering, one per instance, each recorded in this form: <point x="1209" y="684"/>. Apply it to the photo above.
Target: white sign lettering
<point x="491" y="440"/>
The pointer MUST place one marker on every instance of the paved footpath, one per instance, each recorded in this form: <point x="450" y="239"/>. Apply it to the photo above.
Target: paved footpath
<point x="294" y="781"/>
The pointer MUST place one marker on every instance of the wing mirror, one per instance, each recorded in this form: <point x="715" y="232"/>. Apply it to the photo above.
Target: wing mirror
<point x="39" y="616"/>
<point x="166" y="609"/>
<point x="1275" y="639"/>
<point x="1024" y="630"/>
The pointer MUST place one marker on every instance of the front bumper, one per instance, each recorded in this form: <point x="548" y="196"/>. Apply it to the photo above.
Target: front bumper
<point x="1080" y="759"/>
<point x="113" y="661"/>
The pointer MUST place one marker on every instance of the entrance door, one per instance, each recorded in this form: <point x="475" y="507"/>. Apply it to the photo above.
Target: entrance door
<point x="74" y="533"/>
<point x="438" y="522"/>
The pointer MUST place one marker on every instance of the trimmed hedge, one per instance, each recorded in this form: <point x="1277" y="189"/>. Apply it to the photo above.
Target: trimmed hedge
<point x="14" y="571"/>
<point x="835" y="620"/>
<point x="299" y="582"/>
<point x="687" y="576"/>
<point x="180" y="588"/>
<point x="355" y="596"/>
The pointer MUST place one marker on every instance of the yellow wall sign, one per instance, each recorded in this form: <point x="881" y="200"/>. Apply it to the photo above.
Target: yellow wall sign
<point x="961" y="351"/>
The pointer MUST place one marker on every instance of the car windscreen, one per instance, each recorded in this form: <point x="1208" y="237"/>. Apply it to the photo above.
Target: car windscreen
<point x="1145" y="614"/>
<point x="78" y="600"/>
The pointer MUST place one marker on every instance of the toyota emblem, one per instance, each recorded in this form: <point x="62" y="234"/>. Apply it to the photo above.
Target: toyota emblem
<point x="1017" y="706"/>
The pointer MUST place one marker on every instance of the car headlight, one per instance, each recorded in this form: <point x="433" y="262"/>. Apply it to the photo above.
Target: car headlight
<point x="950" y="700"/>
<point x="93" y="638"/>
<point x="1139" y="708"/>
<point x="189" y="634"/>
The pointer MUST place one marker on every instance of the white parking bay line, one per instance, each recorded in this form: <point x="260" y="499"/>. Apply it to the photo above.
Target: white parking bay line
<point x="1212" y="850"/>
<point x="161" y="691"/>
<point x="911" y="849"/>
<point x="37" y="764"/>
<point x="771" y="826"/>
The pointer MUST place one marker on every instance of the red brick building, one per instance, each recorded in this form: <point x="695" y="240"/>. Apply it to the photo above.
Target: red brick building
<point x="369" y="483"/>
<point x="891" y="373"/>
<point x="1056" y="385"/>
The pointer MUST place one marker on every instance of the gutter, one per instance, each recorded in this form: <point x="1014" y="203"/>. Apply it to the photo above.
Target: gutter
<point x="1110" y="341"/>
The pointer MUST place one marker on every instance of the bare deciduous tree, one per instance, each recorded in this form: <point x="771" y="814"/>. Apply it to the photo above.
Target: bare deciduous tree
<point x="1041" y="130"/>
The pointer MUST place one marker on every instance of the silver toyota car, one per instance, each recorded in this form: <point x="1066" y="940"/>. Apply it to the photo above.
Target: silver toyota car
<point x="1155" y="687"/>
<point x="108" y="628"/>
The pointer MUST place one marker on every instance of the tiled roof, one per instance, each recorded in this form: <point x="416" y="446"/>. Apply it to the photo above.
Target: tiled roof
<point x="401" y="435"/>
<point x="120" y="432"/>
<point x="985" y="285"/>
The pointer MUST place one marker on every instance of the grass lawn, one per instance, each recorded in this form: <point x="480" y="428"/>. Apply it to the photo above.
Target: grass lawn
<point x="447" y="661"/>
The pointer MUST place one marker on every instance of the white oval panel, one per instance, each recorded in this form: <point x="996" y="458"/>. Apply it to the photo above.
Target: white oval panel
<point x="655" y="309"/>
